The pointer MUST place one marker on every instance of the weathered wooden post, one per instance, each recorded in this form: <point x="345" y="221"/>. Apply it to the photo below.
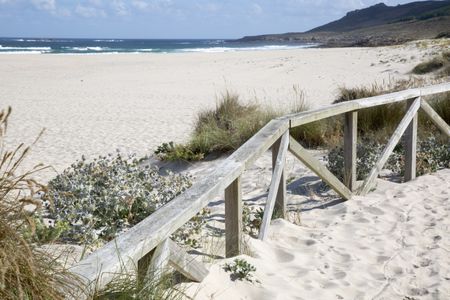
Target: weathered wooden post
<point x="233" y="218"/>
<point x="280" y="200"/>
<point x="410" y="142"/>
<point x="350" y="142"/>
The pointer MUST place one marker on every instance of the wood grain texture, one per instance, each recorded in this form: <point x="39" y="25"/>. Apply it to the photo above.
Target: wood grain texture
<point x="393" y="141"/>
<point x="344" y="107"/>
<point x="410" y="142"/>
<point x="281" y="200"/>
<point x="233" y="218"/>
<point x="123" y="253"/>
<point x="350" y="143"/>
<point x="274" y="186"/>
<point x="312" y="163"/>
<point x="185" y="263"/>
<point x="126" y="250"/>
<point x="435" y="118"/>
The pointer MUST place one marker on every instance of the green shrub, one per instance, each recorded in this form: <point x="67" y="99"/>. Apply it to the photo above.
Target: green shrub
<point x="241" y="270"/>
<point x="101" y="198"/>
<point x="445" y="72"/>
<point x="429" y="66"/>
<point x="252" y="219"/>
<point x="228" y="126"/>
<point x="367" y="152"/>
<point x="446" y="55"/>
<point x="222" y="129"/>
<point x="172" y="152"/>
<point x="432" y="155"/>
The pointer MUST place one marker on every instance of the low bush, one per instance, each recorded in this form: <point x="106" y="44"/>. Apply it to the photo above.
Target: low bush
<point x="432" y="155"/>
<point x="172" y="152"/>
<point x="429" y="66"/>
<point x="251" y="219"/>
<point x="240" y="269"/>
<point x="101" y="198"/>
<point x="228" y="126"/>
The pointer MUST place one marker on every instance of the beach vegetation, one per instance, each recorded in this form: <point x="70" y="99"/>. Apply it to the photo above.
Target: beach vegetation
<point x="156" y="285"/>
<point x="26" y="271"/>
<point x="94" y="201"/>
<point x="252" y="219"/>
<point x="229" y="125"/>
<point x="432" y="155"/>
<point x="240" y="269"/>
<point x="429" y="66"/>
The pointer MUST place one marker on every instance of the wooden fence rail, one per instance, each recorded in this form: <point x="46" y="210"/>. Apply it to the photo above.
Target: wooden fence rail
<point x="148" y="244"/>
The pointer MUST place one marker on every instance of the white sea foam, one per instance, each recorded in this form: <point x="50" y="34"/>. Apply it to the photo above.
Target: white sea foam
<point x="86" y="48"/>
<point x="108" y="41"/>
<point x="24" y="48"/>
<point x="22" y="52"/>
<point x="257" y="48"/>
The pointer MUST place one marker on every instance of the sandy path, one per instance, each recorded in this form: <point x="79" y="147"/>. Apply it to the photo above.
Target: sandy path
<point x="94" y="104"/>
<point x="392" y="244"/>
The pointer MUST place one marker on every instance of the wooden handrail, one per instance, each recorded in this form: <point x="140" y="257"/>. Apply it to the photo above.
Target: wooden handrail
<point x="124" y="253"/>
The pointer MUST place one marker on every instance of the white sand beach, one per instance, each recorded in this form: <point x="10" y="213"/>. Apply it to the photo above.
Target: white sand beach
<point x="391" y="244"/>
<point x="93" y="104"/>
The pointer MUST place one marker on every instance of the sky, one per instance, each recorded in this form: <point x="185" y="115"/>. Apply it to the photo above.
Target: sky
<point x="169" y="18"/>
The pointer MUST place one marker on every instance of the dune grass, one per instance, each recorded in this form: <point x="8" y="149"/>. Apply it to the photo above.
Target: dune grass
<point x="232" y="123"/>
<point x="25" y="271"/>
<point x="229" y="125"/>
<point x="225" y="128"/>
<point x="434" y="64"/>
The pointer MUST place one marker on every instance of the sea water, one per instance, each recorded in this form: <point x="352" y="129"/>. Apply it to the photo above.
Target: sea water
<point x="111" y="46"/>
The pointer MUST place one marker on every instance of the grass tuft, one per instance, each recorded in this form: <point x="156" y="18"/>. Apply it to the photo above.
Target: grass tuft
<point x="25" y="271"/>
<point x="228" y="126"/>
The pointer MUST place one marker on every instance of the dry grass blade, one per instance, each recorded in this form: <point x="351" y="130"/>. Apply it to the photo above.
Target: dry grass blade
<point x="25" y="272"/>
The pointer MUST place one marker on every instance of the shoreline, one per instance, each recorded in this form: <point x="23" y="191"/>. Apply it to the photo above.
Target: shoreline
<point x="93" y="104"/>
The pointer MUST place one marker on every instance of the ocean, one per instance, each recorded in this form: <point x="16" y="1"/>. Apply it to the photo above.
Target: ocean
<point x="112" y="46"/>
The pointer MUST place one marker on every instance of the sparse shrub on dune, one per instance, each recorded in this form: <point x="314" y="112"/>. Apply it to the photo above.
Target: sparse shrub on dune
<point x="228" y="126"/>
<point x="429" y="66"/>
<point x="101" y="198"/>
<point x="434" y="64"/>
<point x="375" y="126"/>
<point x="432" y="155"/>
<point x="25" y="271"/>
<point x="222" y="129"/>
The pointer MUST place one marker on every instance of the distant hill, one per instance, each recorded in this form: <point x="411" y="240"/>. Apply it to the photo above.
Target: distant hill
<point x="376" y="25"/>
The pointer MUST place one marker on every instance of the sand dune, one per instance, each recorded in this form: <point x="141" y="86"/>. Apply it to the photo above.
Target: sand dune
<point x="94" y="104"/>
<point x="392" y="244"/>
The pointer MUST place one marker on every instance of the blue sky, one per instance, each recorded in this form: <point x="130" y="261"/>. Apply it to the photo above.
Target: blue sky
<point x="168" y="18"/>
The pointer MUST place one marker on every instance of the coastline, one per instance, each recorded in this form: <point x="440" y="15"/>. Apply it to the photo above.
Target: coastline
<point x="92" y="104"/>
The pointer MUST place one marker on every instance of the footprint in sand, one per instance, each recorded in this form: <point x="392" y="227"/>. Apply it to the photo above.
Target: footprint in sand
<point x="340" y="257"/>
<point x="382" y="259"/>
<point x="362" y="220"/>
<point x="339" y="274"/>
<point x="374" y="210"/>
<point x="310" y="242"/>
<point x="301" y="272"/>
<point x="283" y="256"/>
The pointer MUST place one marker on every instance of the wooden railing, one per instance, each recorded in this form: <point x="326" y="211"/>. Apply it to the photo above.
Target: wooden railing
<point x="148" y="244"/>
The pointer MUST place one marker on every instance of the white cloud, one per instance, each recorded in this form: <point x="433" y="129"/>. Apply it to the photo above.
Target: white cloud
<point x="89" y="11"/>
<point x="140" y="4"/>
<point x="210" y="7"/>
<point x="96" y="2"/>
<point x="256" y="9"/>
<point x="120" y="7"/>
<point x="48" y="5"/>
